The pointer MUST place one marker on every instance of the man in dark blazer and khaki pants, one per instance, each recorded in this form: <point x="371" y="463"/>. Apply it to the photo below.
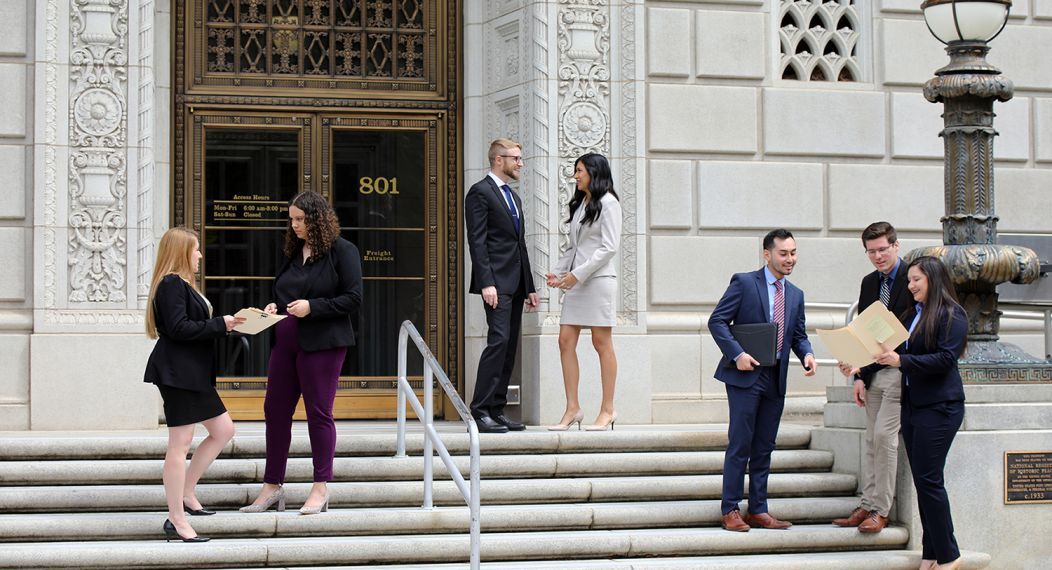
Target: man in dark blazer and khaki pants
<point x="877" y="388"/>
<point x="500" y="272"/>
<point x="756" y="394"/>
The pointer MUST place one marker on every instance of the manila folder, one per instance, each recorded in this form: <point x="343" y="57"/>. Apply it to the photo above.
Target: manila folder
<point x="256" y="320"/>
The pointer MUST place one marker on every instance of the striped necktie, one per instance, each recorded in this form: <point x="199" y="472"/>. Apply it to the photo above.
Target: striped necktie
<point x="885" y="289"/>
<point x="779" y="313"/>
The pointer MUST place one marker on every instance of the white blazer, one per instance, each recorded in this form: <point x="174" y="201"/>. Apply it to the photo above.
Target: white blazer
<point x="592" y="246"/>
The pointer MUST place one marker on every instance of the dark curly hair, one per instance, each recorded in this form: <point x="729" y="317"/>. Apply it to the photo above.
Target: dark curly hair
<point x="322" y="225"/>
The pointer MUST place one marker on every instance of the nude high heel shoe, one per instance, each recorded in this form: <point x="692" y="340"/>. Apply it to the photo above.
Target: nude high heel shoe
<point x="578" y="417"/>
<point x="323" y="508"/>
<point x="275" y="497"/>
<point x="603" y="427"/>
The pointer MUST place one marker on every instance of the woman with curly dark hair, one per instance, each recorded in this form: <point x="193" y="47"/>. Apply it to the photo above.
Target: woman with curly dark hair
<point x="319" y="286"/>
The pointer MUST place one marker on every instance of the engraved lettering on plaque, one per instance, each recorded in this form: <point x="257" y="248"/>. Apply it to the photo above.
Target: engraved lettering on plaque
<point x="1028" y="477"/>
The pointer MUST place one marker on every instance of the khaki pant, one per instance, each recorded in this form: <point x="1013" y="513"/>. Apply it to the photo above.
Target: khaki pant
<point x="883" y="413"/>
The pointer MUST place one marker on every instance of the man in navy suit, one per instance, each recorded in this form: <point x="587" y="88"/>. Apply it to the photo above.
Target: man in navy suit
<point x="756" y="394"/>
<point x="500" y="272"/>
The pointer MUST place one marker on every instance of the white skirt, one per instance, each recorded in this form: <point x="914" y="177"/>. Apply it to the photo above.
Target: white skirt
<point x="592" y="303"/>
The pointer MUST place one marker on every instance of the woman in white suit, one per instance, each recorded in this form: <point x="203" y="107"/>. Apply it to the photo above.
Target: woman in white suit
<point x="587" y="272"/>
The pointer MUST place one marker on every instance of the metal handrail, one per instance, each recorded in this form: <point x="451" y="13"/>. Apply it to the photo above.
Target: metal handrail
<point x="432" y="441"/>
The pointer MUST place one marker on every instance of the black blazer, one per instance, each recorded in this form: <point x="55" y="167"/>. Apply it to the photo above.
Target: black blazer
<point x="334" y="294"/>
<point x="900" y="303"/>
<point x="932" y="370"/>
<point x="498" y="251"/>
<point x="185" y="351"/>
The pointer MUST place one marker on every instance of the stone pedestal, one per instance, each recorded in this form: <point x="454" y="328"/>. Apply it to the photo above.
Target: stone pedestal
<point x="997" y="419"/>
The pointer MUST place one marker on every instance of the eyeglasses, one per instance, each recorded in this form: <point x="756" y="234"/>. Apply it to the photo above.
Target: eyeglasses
<point x="878" y="251"/>
<point x="517" y="159"/>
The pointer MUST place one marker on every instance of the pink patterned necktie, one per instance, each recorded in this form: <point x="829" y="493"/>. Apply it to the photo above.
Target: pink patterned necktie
<point x="779" y="313"/>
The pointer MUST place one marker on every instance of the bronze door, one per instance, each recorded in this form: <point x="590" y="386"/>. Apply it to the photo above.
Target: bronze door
<point x="354" y="99"/>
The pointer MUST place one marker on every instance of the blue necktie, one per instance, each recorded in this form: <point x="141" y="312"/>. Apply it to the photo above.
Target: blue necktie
<point x="511" y="205"/>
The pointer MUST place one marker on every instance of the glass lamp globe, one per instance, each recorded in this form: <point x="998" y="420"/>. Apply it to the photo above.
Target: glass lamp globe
<point x="966" y="20"/>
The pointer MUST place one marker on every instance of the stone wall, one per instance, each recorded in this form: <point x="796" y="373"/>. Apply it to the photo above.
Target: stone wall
<point x="16" y="208"/>
<point x="734" y="150"/>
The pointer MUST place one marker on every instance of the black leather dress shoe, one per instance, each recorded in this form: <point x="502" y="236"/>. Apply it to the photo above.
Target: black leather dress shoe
<point x="487" y="424"/>
<point x="511" y="424"/>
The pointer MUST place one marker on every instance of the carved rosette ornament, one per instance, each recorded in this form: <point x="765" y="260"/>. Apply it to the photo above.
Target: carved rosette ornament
<point x="968" y="87"/>
<point x="97" y="243"/>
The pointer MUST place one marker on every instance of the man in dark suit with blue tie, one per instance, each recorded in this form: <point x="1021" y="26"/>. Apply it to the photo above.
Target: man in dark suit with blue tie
<point x="500" y="272"/>
<point x="756" y="394"/>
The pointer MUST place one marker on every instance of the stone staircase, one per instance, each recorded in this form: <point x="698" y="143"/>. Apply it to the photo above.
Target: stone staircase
<point x="644" y="497"/>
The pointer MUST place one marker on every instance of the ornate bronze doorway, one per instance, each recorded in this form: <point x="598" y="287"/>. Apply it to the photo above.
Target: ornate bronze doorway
<point x="347" y="98"/>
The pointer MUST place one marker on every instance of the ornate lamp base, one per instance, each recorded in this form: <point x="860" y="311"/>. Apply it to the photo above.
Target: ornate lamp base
<point x="993" y="362"/>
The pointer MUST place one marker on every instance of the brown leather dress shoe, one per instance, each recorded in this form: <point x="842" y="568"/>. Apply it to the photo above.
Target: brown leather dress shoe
<point x="874" y="523"/>
<point x="733" y="521"/>
<point x="854" y="519"/>
<point x="765" y="520"/>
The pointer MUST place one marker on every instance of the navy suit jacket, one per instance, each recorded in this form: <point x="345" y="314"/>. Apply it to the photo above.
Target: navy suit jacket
<point x="498" y="251"/>
<point x="932" y="370"/>
<point x="745" y="301"/>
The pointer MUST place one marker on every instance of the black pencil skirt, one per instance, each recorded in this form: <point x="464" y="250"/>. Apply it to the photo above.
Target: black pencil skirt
<point x="184" y="407"/>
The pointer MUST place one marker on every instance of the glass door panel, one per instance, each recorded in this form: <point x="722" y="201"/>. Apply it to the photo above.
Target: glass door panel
<point x="378" y="193"/>
<point x="250" y="175"/>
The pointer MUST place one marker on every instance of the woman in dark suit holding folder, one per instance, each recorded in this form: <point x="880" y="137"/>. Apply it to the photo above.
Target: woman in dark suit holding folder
<point x="181" y="365"/>
<point x="319" y="287"/>
<point x="932" y="401"/>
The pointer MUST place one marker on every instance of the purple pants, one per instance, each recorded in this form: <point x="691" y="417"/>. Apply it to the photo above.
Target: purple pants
<point x="292" y="372"/>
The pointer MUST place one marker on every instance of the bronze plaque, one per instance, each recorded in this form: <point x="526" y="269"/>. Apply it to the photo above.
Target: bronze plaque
<point x="1028" y="477"/>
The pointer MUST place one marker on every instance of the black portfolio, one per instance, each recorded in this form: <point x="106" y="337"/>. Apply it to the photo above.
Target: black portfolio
<point x="760" y="340"/>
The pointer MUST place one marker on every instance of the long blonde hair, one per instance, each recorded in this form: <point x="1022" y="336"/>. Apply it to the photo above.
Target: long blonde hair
<point x="174" y="255"/>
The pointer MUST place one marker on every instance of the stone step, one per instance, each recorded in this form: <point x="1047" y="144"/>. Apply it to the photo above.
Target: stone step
<point x="148" y="471"/>
<point x="407" y="520"/>
<point x="432" y="549"/>
<point x="410" y="493"/>
<point x="16" y="446"/>
<point x="864" y="560"/>
<point x="977" y="416"/>
<point x="973" y="393"/>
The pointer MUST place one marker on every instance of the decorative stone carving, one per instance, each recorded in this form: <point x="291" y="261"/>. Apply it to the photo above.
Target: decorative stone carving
<point x="97" y="244"/>
<point x="584" y="90"/>
<point x="818" y="40"/>
<point x="145" y="151"/>
<point x="630" y="149"/>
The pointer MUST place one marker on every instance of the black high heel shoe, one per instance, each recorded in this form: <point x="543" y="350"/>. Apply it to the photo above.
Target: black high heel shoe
<point x="202" y="512"/>
<point x="170" y="532"/>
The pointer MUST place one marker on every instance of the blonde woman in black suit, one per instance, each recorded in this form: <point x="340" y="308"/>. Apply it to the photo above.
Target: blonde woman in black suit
<point x="587" y="271"/>
<point x="180" y="318"/>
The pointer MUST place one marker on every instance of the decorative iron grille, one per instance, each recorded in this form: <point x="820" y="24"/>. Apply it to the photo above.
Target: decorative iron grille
<point x="338" y="39"/>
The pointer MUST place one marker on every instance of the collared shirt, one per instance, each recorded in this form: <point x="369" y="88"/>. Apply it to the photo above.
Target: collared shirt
<point x="500" y="183"/>
<point x="894" y="271"/>
<point x="916" y="319"/>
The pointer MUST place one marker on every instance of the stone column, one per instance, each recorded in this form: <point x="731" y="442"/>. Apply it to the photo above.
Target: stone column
<point x="94" y="214"/>
<point x="562" y="78"/>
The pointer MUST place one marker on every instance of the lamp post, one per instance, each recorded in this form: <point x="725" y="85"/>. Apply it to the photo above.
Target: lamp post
<point x="967" y="87"/>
